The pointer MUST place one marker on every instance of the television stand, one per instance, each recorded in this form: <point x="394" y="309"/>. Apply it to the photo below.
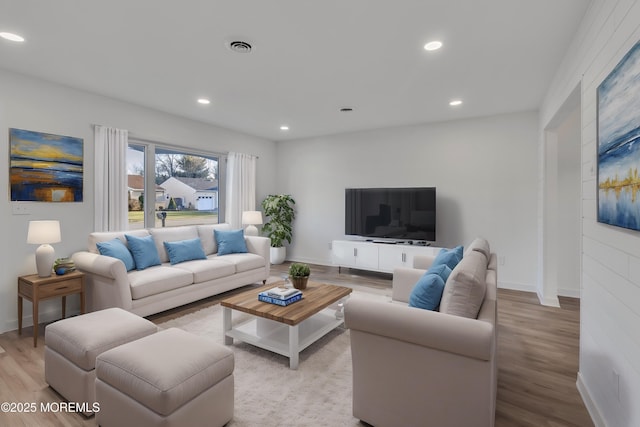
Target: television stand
<point x="381" y="256"/>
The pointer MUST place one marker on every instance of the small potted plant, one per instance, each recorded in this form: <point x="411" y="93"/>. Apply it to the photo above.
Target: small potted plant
<point x="299" y="275"/>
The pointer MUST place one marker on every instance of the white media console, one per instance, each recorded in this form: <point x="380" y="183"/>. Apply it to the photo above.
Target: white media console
<point x="382" y="257"/>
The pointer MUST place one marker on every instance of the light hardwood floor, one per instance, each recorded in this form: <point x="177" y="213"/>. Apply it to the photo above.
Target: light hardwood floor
<point x="537" y="360"/>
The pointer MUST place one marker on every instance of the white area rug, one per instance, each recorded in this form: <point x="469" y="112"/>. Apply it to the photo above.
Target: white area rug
<point x="268" y="393"/>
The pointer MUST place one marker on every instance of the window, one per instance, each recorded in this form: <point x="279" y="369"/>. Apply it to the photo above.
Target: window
<point x="183" y="189"/>
<point x="135" y="185"/>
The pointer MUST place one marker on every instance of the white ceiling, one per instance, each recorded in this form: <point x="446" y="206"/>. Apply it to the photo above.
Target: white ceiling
<point x="309" y="58"/>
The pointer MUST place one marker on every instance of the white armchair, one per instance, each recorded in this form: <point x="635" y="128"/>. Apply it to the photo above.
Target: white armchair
<point x="419" y="367"/>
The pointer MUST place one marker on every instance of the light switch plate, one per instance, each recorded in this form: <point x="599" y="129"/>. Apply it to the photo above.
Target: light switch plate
<point x="20" y="209"/>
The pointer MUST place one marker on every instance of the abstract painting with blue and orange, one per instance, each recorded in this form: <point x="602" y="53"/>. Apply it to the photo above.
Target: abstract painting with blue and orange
<point x="45" y="167"/>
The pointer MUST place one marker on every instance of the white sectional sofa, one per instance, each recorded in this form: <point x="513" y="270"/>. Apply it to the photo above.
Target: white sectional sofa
<point x="165" y="286"/>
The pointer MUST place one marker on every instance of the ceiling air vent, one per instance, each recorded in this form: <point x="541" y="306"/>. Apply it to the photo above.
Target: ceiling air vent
<point x="240" y="46"/>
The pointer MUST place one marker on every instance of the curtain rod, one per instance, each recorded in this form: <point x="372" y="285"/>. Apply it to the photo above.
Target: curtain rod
<point x="152" y="141"/>
<point x="136" y="137"/>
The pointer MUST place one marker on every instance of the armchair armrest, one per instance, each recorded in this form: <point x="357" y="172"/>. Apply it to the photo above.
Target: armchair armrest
<point x="404" y="279"/>
<point x="423" y="262"/>
<point x="439" y="331"/>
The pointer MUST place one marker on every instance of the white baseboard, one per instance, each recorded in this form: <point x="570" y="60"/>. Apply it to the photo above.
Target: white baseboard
<point x="571" y="293"/>
<point x="43" y="317"/>
<point x="549" y="301"/>
<point x="592" y="408"/>
<point x="516" y="286"/>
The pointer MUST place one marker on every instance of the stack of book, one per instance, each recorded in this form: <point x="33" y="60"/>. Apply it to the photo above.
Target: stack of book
<point x="280" y="296"/>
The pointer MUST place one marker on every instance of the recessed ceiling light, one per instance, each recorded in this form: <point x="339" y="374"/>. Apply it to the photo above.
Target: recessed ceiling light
<point x="455" y="102"/>
<point x="284" y="127"/>
<point x="434" y="45"/>
<point x="204" y="101"/>
<point x="12" y="37"/>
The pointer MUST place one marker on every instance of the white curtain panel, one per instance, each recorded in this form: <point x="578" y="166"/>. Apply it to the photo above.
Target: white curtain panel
<point x="241" y="187"/>
<point x="111" y="207"/>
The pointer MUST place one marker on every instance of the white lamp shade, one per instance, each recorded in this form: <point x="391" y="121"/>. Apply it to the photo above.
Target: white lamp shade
<point x="251" y="217"/>
<point x="41" y="232"/>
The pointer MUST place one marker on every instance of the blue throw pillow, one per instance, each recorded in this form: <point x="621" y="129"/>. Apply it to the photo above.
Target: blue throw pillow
<point x="230" y="241"/>
<point x="144" y="251"/>
<point x="449" y="257"/>
<point x="184" y="250"/>
<point x="117" y="249"/>
<point x="441" y="270"/>
<point x="427" y="293"/>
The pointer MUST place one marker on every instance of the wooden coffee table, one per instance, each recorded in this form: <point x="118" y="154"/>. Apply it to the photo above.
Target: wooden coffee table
<point x="284" y="330"/>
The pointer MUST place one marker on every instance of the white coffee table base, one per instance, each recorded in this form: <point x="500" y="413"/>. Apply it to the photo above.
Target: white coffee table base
<point x="278" y="337"/>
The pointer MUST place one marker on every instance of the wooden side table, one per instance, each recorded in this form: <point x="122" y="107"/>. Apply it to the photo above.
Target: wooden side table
<point x="35" y="289"/>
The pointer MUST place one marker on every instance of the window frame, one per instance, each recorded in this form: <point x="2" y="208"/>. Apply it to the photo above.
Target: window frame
<point x="150" y="178"/>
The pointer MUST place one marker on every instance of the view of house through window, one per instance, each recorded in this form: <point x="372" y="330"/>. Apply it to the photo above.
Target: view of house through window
<point x="183" y="188"/>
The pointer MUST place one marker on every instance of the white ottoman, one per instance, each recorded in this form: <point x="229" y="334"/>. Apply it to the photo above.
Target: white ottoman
<point x="171" y="378"/>
<point x="71" y="347"/>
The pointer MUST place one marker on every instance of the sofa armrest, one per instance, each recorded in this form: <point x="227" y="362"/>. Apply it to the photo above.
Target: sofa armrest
<point x="404" y="279"/>
<point x="438" y="331"/>
<point x="101" y="265"/>
<point x="258" y="245"/>
<point x="107" y="281"/>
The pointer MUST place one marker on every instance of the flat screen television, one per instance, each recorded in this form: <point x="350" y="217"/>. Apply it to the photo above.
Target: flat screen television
<point x="391" y="213"/>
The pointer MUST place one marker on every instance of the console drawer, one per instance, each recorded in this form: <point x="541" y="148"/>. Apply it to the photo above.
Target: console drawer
<point x="70" y="286"/>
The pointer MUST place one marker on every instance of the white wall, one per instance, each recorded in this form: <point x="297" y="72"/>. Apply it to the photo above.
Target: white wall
<point x="41" y="106"/>
<point x="569" y="201"/>
<point x="484" y="171"/>
<point x="609" y="377"/>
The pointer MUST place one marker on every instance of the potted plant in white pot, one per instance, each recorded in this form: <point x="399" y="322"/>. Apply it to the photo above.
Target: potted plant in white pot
<point x="278" y="209"/>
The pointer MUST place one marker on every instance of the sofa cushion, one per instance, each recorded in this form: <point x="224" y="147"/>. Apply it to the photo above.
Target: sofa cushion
<point x="158" y="279"/>
<point x="230" y="241"/>
<point x="171" y="234"/>
<point x="205" y="232"/>
<point x="208" y="269"/>
<point x="427" y="292"/>
<point x="143" y="250"/>
<point x="244" y="262"/>
<point x="116" y="248"/>
<point x="481" y="245"/>
<point x="449" y="257"/>
<point x="464" y="291"/>
<point x="184" y="250"/>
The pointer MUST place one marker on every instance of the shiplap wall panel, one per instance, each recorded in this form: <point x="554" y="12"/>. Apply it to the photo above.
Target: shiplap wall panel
<point x="610" y="304"/>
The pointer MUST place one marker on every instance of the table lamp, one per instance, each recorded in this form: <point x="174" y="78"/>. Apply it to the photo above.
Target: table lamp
<point x="44" y="233"/>
<point x="251" y="219"/>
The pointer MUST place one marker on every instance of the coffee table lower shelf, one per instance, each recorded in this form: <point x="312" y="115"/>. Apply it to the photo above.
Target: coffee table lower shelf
<point x="278" y="337"/>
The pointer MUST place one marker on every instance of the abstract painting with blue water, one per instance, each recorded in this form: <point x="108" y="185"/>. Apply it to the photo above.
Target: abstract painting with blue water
<point x="619" y="144"/>
<point x="45" y="167"/>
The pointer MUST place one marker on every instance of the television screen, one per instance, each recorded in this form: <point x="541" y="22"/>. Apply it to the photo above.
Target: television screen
<point x="395" y="213"/>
